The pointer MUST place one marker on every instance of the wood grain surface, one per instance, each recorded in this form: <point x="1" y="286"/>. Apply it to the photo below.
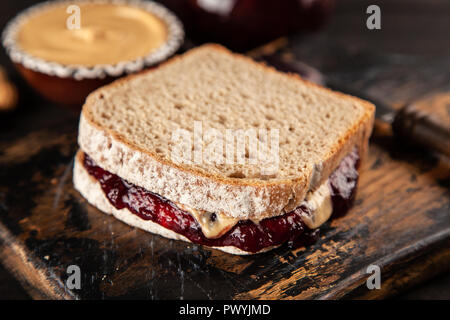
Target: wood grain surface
<point x="400" y="221"/>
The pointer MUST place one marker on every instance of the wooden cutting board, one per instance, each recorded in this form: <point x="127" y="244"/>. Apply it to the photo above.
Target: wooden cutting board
<point x="400" y="222"/>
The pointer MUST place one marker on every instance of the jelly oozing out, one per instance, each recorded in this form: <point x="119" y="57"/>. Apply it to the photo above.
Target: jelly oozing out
<point x="343" y="182"/>
<point x="245" y="235"/>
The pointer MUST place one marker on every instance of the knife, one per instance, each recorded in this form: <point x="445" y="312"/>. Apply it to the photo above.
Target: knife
<point x="424" y="121"/>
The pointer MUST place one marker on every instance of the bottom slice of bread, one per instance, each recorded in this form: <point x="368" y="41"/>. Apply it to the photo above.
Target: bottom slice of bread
<point x="91" y="190"/>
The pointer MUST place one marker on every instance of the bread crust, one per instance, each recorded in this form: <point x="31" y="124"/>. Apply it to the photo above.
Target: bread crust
<point x="239" y="198"/>
<point x="91" y="190"/>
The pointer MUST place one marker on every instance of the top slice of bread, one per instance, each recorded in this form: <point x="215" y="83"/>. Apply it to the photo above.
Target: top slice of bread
<point x="127" y="128"/>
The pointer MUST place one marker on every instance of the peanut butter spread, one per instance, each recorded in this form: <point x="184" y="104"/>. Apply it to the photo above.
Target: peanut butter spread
<point x="318" y="202"/>
<point x="108" y="34"/>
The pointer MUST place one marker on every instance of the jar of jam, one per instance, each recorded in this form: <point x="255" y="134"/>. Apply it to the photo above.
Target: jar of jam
<point x="244" y="24"/>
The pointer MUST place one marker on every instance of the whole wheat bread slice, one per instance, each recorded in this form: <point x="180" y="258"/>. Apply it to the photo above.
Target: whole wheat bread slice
<point x="126" y="128"/>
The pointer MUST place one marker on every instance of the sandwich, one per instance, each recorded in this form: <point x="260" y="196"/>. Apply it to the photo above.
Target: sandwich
<point x="215" y="149"/>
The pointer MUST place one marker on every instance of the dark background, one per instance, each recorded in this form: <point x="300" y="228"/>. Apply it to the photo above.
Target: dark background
<point x="419" y="27"/>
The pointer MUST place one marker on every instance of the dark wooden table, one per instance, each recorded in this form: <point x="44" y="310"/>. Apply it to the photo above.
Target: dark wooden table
<point x="414" y="36"/>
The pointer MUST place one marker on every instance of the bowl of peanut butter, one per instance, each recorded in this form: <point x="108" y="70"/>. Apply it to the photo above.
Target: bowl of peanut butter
<point x="67" y="49"/>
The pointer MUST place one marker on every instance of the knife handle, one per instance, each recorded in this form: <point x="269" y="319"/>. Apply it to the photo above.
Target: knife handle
<point x="426" y="122"/>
